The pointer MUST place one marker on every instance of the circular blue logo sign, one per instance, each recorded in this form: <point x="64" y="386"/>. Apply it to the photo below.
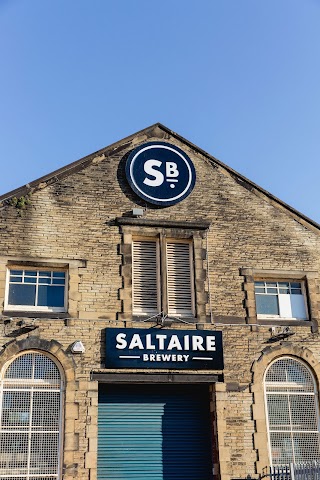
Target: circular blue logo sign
<point x="160" y="173"/>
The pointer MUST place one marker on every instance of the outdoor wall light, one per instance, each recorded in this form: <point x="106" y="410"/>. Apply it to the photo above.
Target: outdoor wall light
<point x="77" y="347"/>
<point x="137" y="212"/>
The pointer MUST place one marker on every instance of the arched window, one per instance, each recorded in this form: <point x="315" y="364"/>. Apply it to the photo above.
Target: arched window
<point x="292" y="412"/>
<point x="30" y="430"/>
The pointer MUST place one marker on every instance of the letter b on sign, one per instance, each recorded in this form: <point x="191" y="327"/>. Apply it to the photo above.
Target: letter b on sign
<point x="172" y="169"/>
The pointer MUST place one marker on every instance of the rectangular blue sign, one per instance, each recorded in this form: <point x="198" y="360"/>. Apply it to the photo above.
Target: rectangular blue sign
<point x="163" y="348"/>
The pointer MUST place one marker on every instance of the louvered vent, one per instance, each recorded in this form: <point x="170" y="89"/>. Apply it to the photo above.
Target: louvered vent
<point x="145" y="277"/>
<point x="179" y="279"/>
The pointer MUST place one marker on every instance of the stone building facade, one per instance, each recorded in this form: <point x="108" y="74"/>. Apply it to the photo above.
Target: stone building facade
<point x="74" y="257"/>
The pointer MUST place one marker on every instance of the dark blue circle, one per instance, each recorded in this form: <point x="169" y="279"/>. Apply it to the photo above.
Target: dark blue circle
<point x="160" y="173"/>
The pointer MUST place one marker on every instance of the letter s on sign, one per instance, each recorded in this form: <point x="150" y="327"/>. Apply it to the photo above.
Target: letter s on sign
<point x="122" y="343"/>
<point x="158" y="176"/>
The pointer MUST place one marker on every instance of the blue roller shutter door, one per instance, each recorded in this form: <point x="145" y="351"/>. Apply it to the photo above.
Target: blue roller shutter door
<point x="159" y="432"/>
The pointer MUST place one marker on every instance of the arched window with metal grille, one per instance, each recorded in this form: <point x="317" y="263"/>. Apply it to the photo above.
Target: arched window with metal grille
<point x="31" y="406"/>
<point x="292" y="411"/>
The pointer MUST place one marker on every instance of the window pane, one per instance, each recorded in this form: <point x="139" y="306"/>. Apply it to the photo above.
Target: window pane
<point x="46" y="410"/>
<point x="298" y="307"/>
<point x="22" y="294"/>
<point x="295" y="285"/>
<point x="281" y="448"/>
<point x="299" y="405"/>
<point x="15" y="409"/>
<point x="15" y="279"/>
<point x="296" y="291"/>
<point x="259" y="287"/>
<point x="267" y="304"/>
<point x="45" y="280"/>
<point x="46" y="369"/>
<point x="30" y="273"/>
<point x="20" y="368"/>
<point x="14" y="451"/>
<point x="278" y="411"/>
<point x="16" y="272"/>
<point x="30" y="279"/>
<point x="306" y="447"/>
<point x="58" y="281"/>
<point x="285" y="290"/>
<point x="44" y="274"/>
<point x="272" y="290"/>
<point x="44" y="453"/>
<point x="283" y="284"/>
<point x="50" y="296"/>
<point x="59" y="274"/>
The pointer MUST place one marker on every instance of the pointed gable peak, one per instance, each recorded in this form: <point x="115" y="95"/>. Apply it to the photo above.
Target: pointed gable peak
<point x="160" y="131"/>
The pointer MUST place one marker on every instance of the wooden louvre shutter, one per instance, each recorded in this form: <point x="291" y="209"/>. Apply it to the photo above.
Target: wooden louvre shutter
<point x="179" y="279"/>
<point x="145" y="277"/>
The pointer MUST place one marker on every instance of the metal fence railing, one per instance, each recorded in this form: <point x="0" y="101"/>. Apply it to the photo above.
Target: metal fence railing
<point x="296" y="471"/>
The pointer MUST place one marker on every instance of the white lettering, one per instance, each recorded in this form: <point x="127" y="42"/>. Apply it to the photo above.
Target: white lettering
<point x="211" y="344"/>
<point x="158" y="176"/>
<point x="197" y="343"/>
<point x="136" y="342"/>
<point x="121" y="341"/>
<point x="186" y="342"/>
<point x="174" y="343"/>
<point x="172" y="169"/>
<point x="161" y="339"/>
<point x="149" y="345"/>
<point x="164" y="358"/>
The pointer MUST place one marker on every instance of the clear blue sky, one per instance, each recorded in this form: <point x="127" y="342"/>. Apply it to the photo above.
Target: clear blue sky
<point x="239" y="78"/>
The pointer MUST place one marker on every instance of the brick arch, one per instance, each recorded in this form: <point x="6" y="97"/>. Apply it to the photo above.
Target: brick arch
<point x="258" y="369"/>
<point x="52" y="347"/>
<point x="71" y="409"/>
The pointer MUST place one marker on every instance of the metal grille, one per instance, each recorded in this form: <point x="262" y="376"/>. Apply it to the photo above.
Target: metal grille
<point x="290" y="393"/>
<point x="30" y="419"/>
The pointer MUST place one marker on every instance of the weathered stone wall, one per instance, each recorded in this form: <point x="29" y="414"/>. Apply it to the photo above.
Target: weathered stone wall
<point x="72" y="221"/>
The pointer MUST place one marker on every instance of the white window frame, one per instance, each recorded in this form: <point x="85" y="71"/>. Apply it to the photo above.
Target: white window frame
<point x="162" y="277"/>
<point x="35" y="308"/>
<point x="286" y="392"/>
<point x="35" y="385"/>
<point x="280" y="316"/>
